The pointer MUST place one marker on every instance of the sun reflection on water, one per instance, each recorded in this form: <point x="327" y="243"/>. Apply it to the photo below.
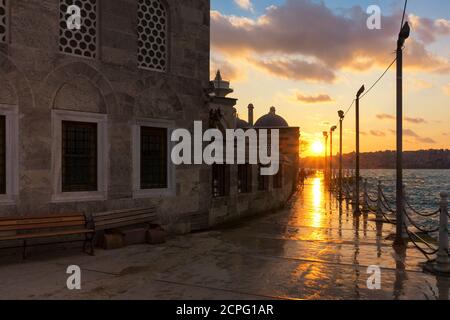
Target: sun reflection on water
<point x="317" y="197"/>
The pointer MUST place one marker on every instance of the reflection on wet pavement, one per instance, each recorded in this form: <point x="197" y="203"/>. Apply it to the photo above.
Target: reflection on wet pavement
<point x="314" y="249"/>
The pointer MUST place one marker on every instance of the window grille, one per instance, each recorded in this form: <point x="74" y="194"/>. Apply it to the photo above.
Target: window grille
<point x="263" y="181"/>
<point x="220" y="184"/>
<point x="153" y="158"/>
<point x="152" y="35"/>
<point x="3" y="21"/>
<point x="244" y="178"/>
<point x="2" y="155"/>
<point x="83" y="41"/>
<point x="79" y="156"/>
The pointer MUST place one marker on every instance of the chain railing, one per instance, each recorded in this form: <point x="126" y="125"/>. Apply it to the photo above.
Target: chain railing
<point x="420" y="236"/>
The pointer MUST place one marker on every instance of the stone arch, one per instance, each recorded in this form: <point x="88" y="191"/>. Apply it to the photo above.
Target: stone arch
<point x="15" y="84"/>
<point x="7" y="93"/>
<point x="62" y="81"/>
<point x="157" y="99"/>
<point x="79" y="94"/>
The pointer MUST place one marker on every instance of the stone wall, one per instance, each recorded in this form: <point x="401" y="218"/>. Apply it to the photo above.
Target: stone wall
<point x="36" y="78"/>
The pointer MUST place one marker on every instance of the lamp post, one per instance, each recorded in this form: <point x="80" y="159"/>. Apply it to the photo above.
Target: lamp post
<point x="325" y="136"/>
<point x="403" y="35"/>
<point x="341" y="119"/>
<point x="332" y="129"/>
<point x="356" y="208"/>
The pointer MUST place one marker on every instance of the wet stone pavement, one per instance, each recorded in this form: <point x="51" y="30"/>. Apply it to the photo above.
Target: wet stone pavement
<point x="310" y="250"/>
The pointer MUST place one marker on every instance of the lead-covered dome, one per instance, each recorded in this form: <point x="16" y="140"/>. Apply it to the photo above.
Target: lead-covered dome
<point x="271" y="120"/>
<point x="242" y="124"/>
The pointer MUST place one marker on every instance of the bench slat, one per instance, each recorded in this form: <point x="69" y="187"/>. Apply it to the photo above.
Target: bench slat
<point x="43" y="225"/>
<point x="122" y="224"/>
<point x="122" y="215"/>
<point x="37" y="220"/>
<point x="149" y="216"/>
<point x="46" y="235"/>
<point x="101" y="214"/>
<point x="66" y="215"/>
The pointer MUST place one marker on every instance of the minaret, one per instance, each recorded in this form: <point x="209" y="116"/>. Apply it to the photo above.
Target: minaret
<point x="250" y="114"/>
<point x="221" y="87"/>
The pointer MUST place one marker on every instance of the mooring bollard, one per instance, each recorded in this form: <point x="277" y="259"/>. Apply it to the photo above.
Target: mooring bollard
<point x="379" y="202"/>
<point x="443" y="260"/>
<point x="366" y="198"/>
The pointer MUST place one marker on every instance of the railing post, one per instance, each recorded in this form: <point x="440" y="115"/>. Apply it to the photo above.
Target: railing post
<point x="405" y="219"/>
<point x="379" y="202"/>
<point x="443" y="260"/>
<point x="366" y="198"/>
<point x="347" y="192"/>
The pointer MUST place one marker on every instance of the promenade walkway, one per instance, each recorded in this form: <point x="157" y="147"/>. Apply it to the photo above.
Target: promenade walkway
<point x="311" y="250"/>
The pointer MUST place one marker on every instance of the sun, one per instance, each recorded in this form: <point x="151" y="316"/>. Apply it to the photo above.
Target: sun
<point x="317" y="148"/>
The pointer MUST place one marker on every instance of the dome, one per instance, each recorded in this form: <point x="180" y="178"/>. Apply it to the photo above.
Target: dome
<point x="241" y="124"/>
<point x="271" y="120"/>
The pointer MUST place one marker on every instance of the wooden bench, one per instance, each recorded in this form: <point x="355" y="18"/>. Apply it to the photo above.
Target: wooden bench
<point x="26" y="229"/>
<point x="124" y="218"/>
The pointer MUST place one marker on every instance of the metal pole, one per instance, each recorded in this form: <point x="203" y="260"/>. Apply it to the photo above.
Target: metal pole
<point x="332" y="129"/>
<point x="399" y="181"/>
<point x="325" y="135"/>
<point x="356" y="209"/>
<point x="379" y="203"/>
<point x="340" y="159"/>
<point x="404" y="34"/>
<point x="443" y="259"/>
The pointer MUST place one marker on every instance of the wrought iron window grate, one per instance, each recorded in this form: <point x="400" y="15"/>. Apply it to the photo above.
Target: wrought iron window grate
<point x="79" y="156"/>
<point x="83" y="41"/>
<point x="2" y="154"/>
<point x="244" y="178"/>
<point x="3" y="21"/>
<point x="152" y="35"/>
<point x="153" y="158"/>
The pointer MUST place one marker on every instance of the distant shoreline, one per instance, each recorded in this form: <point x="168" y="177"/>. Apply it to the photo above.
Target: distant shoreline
<point x="386" y="160"/>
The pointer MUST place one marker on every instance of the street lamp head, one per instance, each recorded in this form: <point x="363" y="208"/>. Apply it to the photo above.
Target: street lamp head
<point x="405" y="32"/>
<point x="325" y="134"/>
<point x="341" y="114"/>
<point x="360" y="92"/>
<point x="333" y="128"/>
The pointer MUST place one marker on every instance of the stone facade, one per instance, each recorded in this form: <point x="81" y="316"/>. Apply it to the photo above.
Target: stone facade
<point x="236" y="205"/>
<point x="36" y="79"/>
<point x="40" y="86"/>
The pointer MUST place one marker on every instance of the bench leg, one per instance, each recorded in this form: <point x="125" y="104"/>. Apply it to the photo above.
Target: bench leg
<point x="24" y="252"/>
<point x="88" y="241"/>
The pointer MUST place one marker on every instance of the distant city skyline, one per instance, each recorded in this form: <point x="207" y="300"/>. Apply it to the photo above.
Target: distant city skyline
<point x="308" y="58"/>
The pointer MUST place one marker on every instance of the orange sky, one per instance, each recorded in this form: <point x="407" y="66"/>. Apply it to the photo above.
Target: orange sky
<point x="308" y="61"/>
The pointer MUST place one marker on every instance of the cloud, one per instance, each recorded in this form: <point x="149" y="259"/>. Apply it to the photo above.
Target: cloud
<point x="385" y="116"/>
<point x="295" y="69"/>
<point x="312" y="37"/>
<point x="377" y="133"/>
<point x="415" y="120"/>
<point x="413" y="84"/>
<point x="244" y="4"/>
<point x="319" y="98"/>
<point x="412" y="134"/>
<point x="446" y="89"/>
<point x="227" y="69"/>
<point x="428" y="29"/>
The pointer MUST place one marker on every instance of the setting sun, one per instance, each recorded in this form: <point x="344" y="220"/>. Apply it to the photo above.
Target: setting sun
<point x="317" y="148"/>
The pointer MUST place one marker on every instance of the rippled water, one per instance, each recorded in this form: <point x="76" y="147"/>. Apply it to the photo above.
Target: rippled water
<point x="422" y="186"/>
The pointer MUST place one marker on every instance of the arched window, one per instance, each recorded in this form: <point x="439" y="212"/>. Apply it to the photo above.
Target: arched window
<point x="3" y="21"/>
<point x="81" y="40"/>
<point x="152" y="35"/>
